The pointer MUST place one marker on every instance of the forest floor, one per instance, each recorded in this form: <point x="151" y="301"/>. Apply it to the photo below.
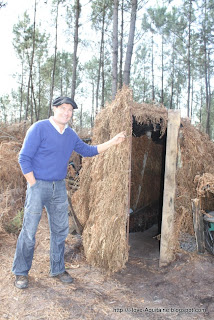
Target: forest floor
<point x="182" y="290"/>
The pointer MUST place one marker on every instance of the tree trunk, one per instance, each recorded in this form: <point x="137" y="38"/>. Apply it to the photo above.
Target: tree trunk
<point x="206" y="72"/>
<point x="31" y="105"/>
<point x="115" y="50"/>
<point x="100" y="60"/>
<point x="177" y="97"/>
<point x="31" y="62"/>
<point x="21" y="93"/>
<point x="162" y="68"/>
<point x="55" y="58"/>
<point x="61" y="77"/>
<point x="103" y="78"/>
<point x="81" y="117"/>
<point x="144" y="84"/>
<point x="191" y="105"/>
<point x="92" y="106"/>
<point x="188" y="58"/>
<point x="201" y="106"/>
<point x="121" y="49"/>
<point x="33" y="99"/>
<point x="76" y="41"/>
<point x="207" y="83"/>
<point x="130" y="43"/>
<point x="39" y="98"/>
<point x="172" y="77"/>
<point x="153" y="76"/>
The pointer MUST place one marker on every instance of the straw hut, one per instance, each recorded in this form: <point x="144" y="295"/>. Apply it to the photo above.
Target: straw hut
<point x="150" y="178"/>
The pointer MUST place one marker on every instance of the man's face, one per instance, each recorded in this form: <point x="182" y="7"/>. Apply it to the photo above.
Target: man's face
<point x="63" y="113"/>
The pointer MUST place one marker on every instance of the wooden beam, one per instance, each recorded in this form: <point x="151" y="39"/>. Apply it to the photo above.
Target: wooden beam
<point x="167" y="245"/>
<point x="198" y="223"/>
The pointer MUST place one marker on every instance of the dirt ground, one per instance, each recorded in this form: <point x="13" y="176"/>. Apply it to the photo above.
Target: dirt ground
<point x="183" y="290"/>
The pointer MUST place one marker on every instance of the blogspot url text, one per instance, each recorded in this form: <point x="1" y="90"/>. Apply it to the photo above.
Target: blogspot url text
<point x="159" y="310"/>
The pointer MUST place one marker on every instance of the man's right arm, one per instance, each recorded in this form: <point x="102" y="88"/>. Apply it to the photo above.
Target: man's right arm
<point x="29" y="149"/>
<point x="30" y="178"/>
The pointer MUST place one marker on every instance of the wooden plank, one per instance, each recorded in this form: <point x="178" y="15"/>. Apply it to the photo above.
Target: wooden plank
<point x="127" y="212"/>
<point x="167" y="245"/>
<point x="198" y="223"/>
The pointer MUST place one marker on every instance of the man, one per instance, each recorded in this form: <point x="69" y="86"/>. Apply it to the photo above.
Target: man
<point x="43" y="159"/>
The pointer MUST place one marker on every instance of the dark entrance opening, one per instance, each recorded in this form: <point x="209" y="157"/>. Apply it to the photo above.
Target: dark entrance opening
<point x="147" y="183"/>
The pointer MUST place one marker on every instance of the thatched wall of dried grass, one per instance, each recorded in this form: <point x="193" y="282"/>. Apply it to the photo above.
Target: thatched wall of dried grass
<point x="205" y="191"/>
<point x="10" y="176"/>
<point x="13" y="132"/>
<point x="196" y="157"/>
<point x="102" y="201"/>
<point x="12" y="183"/>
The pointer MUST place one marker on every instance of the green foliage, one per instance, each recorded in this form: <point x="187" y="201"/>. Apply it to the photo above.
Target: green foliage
<point x="23" y="44"/>
<point x="70" y="9"/>
<point x="201" y="113"/>
<point x="63" y="73"/>
<point x="15" y="225"/>
<point x="82" y="120"/>
<point x="4" y="108"/>
<point x="98" y="8"/>
<point x="181" y="35"/>
<point x="91" y="69"/>
<point x="23" y="41"/>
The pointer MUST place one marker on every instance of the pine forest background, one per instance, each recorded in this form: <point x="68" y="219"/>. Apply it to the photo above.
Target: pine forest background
<point x="162" y="49"/>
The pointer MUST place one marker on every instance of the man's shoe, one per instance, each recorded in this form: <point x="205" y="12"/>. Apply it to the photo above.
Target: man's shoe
<point x="64" y="277"/>
<point x="21" y="282"/>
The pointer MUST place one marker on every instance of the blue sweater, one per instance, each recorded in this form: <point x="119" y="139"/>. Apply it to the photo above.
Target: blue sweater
<point x="46" y="152"/>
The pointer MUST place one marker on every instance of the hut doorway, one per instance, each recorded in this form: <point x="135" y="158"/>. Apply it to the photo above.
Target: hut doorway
<point x="147" y="182"/>
<point x="152" y="208"/>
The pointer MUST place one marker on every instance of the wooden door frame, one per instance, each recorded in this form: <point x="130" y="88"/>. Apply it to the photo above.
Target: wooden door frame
<point x="167" y="245"/>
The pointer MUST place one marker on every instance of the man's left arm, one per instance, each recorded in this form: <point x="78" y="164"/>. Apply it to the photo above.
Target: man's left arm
<point x="89" y="150"/>
<point x="120" y="137"/>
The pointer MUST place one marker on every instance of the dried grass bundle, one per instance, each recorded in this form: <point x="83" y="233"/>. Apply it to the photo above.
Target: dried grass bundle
<point x="196" y="158"/>
<point x="150" y="113"/>
<point x="205" y="184"/>
<point x="101" y="202"/>
<point x="13" y="132"/>
<point x="10" y="172"/>
<point x="12" y="184"/>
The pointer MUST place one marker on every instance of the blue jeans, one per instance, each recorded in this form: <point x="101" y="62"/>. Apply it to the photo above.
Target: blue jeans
<point x="53" y="196"/>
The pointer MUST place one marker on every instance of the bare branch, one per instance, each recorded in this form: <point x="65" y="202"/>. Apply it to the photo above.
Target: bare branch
<point x="2" y="4"/>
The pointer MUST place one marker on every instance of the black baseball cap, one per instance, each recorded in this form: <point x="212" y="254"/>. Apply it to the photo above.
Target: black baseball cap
<point x="60" y="100"/>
